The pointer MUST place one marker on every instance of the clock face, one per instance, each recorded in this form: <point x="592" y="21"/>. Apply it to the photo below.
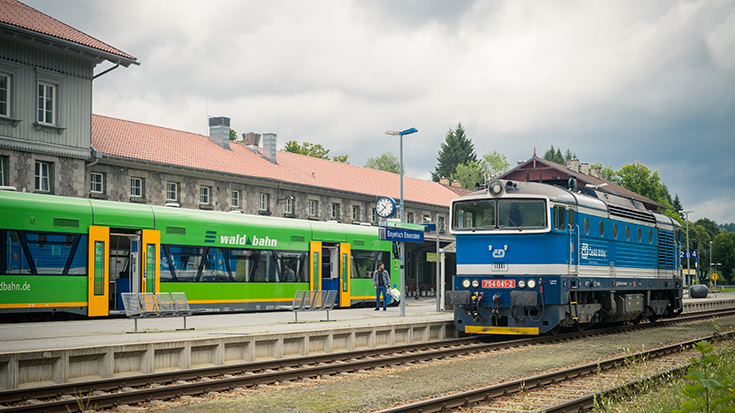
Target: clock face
<point x="385" y="207"/>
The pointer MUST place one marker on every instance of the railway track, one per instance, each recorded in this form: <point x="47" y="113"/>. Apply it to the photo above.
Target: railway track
<point x="103" y="394"/>
<point x="569" y="390"/>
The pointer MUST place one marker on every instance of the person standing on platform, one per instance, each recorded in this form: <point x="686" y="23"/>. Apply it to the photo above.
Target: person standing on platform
<point x="381" y="281"/>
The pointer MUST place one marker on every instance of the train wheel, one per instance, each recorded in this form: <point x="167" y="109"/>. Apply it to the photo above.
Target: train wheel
<point x="580" y="327"/>
<point x="554" y="331"/>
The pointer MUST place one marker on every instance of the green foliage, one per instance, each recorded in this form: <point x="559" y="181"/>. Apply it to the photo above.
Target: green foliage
<point x="554" y="155"/>
<point x="639" y="179"/>
<point x="233" y="135"/>
<point x="315" y="150"/>
<point x="456" y="149"/>
<point x="606" y="172"/>
<point x="706" y="392"/>
<point x="728" y="227"/>
<point x="676" y="204"/>
<point x="385" y="162"/>
<point x="469" y="174"/>
<point x="495" y="164"/>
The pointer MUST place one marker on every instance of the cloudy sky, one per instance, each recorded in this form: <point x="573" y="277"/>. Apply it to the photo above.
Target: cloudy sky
<point x="613" y="81"/>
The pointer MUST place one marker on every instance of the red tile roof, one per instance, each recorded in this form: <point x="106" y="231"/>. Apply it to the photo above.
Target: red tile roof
<point x="17" y="14"/>
<point x="138" y="141"/>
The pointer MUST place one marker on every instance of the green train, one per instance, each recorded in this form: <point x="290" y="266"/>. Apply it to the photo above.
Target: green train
<point x="75" y="255"/>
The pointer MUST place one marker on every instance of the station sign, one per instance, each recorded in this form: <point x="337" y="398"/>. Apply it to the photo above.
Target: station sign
<point x="692" y="254"/>
<point x="400" y="235"/>
<point x="401" y="225"/>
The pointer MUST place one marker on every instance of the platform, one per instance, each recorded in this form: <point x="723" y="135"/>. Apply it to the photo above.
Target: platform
<point x="47" y="353"/>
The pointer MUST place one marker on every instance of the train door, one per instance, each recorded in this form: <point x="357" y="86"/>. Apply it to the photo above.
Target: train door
<point x="573" y="230"/>
<point x="344" y="275"/>
<point x="98" y="264"/>
<point x="330" y="267"/>
<point x="134" y="257"/>
<point x="315" y="273"/>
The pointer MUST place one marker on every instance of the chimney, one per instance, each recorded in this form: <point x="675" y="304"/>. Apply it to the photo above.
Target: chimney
<point x="269" y="146"/>
<point x="597" y="172"/>
<point x="518" y="163"/>
<point x="444" y="181"/>
<point x="456" y="184"/>
<point x="251" y="140"/>
<point x="573" y="164"/>
<point x="219" y="131"/>
<point x="585" y="168"/>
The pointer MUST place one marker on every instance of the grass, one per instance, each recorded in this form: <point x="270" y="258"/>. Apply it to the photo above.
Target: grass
<point x="670" y="396"/>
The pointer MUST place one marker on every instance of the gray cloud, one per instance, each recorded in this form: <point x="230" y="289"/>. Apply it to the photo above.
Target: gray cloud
<point x="615" y="82"/>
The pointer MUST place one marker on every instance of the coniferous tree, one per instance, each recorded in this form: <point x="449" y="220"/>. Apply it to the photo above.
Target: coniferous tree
<point x="457" y="149"/>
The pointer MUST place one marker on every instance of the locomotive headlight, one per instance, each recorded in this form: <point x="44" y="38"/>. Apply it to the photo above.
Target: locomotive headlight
<point x="496" y="188"/>
<point x="466" y="283"/>
<point x="521" y="283"/>
<point x="475" y="283"/>
<point x="531" y="283"/>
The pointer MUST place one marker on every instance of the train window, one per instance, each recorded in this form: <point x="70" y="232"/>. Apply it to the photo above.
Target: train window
<point x="559" y="218"/>
<point x="292" y="266"/>
<point x="586" y="226"/>
<point x="182" y="261"/>
<point x="627" y="233"/>
<point x="45" y="253"/>
<point x="640" y="235"/>
<point x="650" y="236"/>
<point x="602" y="228"/>
<point x="521" y="214"/>
<point x="472" y="215"/>
<point x="615" y="230"/>
<point x="364" y="263"/>
<point x="215" y="267"/>
<point x="570" y="218"/>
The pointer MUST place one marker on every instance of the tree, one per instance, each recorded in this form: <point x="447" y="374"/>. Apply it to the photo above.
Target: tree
<point x="385" y="162"/>
<point x="639" y="179"/>
<point x="708" y="225"/>
<point x="469" y="174"/>
<point x="456" y="149"/>
<point x="233" y="135"/>
<point x="676" y="203"/>
<point x="606" y="172"/>
<point x="313" y="150"/>
<point x="495" y="164"/>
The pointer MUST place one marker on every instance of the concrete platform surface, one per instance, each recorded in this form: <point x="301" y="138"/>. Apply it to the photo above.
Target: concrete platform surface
<point x="114" y="331"/>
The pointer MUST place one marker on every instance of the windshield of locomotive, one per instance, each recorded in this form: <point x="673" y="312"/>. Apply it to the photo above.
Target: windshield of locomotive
<point x="502" y="214"/>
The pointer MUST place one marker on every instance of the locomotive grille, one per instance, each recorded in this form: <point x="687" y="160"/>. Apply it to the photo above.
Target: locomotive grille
<point x="500" y="265"/>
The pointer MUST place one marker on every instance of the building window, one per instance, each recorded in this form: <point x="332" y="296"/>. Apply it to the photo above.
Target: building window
<point x="235" y="198"/>
<point x="204" y="195"/>
<point x="288" y="206"/>
<point x="409" y="217"/>
<point x="97" y="181"/>
<point x="313" y="208"/>
<point x="4" y="95"/>
<point x="355" y="212"/>
<point x="3" y="170"/>
<point x="335" y="210"/>
<point x="440" y="225"/>
<point x="263" y="202"/>
<point x="373" y="215"/>
<point x="172" y="192"/>
<point x="426" y="218"/>
<point x="46" y="99"/>
<point x="136" y="187"/>
<point x="43" y="176"/>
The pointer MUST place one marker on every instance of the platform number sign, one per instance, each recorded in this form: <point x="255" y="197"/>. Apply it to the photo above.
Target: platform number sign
<point x="99" y="267"/>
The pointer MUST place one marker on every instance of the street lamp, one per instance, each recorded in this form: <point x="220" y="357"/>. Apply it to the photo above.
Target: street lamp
<point x="403" y="247"/>
<point x="687" y="223"/>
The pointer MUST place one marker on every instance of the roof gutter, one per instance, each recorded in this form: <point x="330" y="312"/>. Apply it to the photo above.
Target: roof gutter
<point x="96" y="155"/>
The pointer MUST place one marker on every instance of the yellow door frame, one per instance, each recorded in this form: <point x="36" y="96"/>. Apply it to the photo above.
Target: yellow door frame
<point x="344" y="275"/>
<point x="315" y="258"/>
<point x="151" y="258"/>
<point x="98" y="278"/>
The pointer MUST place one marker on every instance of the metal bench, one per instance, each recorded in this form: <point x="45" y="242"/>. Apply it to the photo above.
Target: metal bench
<point x="146" y="305"/>
<point x="312" y="300"/>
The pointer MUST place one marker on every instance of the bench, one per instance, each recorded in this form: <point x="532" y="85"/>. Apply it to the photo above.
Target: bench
<point x="146" y="305"/>
<point x="323" y="300"/>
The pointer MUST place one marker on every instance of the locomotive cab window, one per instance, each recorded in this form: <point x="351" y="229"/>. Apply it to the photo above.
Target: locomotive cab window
<point x="560" y="218"/>
<point x="474" y="215"/>
<point x="521" y="214"/>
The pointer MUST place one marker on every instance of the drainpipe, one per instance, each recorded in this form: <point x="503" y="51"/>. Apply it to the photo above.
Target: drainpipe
<point x="108" y="70"/>
<point x="96" y="155"/>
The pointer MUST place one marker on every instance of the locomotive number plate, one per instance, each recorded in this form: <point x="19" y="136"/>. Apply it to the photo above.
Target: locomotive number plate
<point x="498" y="283"/>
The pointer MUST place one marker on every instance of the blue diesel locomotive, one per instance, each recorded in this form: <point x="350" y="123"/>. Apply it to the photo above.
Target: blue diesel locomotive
<point x="533" y="257"/>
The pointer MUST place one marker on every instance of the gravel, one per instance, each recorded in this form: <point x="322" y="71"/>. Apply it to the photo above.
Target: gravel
<point x="382" y="388"/>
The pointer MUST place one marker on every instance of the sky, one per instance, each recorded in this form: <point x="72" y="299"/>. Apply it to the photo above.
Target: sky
<point x="616" y="82"/>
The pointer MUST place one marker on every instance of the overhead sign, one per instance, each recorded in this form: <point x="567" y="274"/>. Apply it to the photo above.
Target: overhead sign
<point x="692" y="254"/>
<point x="401" y="225"/>
<point x="401" y="235"/>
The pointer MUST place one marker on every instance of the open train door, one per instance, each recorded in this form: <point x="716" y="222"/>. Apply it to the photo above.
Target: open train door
<point x="98" y="276"/>
<point x="344" y="275"/>
<point x="315" y="272"/>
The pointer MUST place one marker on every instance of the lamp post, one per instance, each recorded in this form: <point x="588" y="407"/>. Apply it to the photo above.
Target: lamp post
<point x="686" y="213"/>
<point x="710" y="258"/>
<point x="403" y="244"/>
